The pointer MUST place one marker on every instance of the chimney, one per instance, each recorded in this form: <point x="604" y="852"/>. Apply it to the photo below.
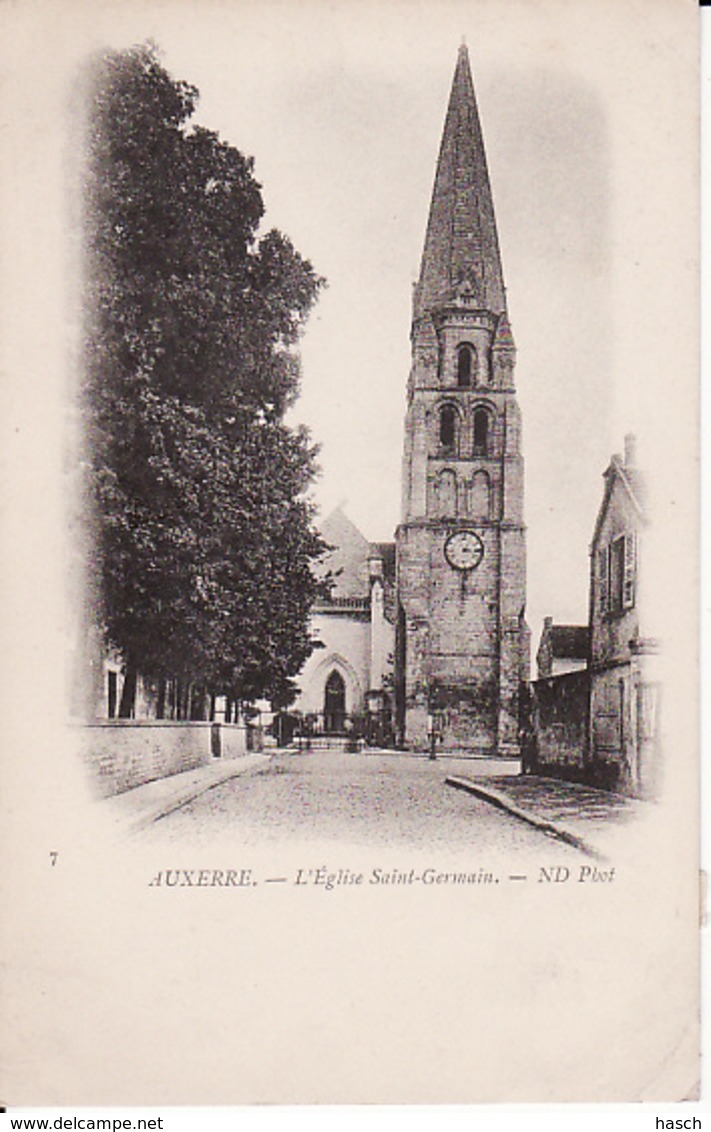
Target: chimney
<point x="630" y="450"/>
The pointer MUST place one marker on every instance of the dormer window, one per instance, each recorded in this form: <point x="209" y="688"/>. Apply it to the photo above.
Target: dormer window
<point x="448" y="427"/>
<point x="465" y="365"/>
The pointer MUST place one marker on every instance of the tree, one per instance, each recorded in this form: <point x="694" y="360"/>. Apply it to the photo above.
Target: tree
<point x="204" y="538"/>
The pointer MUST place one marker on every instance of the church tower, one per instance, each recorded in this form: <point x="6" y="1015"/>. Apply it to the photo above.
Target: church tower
<point x="462" y="641"/>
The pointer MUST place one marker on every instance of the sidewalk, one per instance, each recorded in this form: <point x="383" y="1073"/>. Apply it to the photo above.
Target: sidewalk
<point x="579" y="815"/>
<point x="143" y="805"/>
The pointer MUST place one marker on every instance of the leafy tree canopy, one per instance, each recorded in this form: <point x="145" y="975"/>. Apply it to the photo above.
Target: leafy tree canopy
<point x="204" y="536"/>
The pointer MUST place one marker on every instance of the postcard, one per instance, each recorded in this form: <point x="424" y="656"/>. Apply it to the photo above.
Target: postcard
<point x="351" y="552"/>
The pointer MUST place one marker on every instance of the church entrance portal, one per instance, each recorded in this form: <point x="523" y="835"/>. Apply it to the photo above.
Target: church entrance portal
<point x="334" y="705"/>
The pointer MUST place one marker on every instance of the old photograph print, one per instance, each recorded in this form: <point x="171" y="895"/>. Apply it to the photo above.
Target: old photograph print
<point x="358" y="594"/>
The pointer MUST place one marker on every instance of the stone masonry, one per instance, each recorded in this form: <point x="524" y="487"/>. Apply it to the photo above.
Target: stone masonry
<point x="461" y="637"/>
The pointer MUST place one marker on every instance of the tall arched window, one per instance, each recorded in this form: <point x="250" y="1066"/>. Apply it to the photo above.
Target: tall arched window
<point x="448" y="427"/>
<point x="465" y="359"/>
<point x="481" y="433"/>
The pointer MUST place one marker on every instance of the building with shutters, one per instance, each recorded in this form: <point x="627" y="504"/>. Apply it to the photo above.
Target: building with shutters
<point x="624" y="696"/>
<point x="594" y="717"/>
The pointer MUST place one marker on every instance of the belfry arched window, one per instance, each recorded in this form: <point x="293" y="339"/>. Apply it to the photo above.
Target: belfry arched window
<point x="448" y="427"/>
<point x="481" y="433"/>
<point x="465" y="360"/>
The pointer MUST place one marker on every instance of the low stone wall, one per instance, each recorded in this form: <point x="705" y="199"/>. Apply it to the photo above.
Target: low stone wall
<point x="236" y="739"/>
<point x="560" y="712"/>
<point x="123" y="753"/>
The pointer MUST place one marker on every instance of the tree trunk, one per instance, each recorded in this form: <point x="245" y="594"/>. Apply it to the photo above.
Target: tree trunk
<point x="127" y="707"/>
<point x="179" y="699"/>
<point x="160" y="706"/>
<point x="194" y="704"/>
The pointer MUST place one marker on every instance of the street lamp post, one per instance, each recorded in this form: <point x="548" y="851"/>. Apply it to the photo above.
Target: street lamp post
<point x="432" y="718"/>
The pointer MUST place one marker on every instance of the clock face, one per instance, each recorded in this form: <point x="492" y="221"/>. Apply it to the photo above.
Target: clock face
<point x="464" y="550"/>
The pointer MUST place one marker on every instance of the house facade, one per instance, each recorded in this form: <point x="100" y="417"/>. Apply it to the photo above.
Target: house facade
<point x="624" y="696"/>
<point x="595" y="719"/>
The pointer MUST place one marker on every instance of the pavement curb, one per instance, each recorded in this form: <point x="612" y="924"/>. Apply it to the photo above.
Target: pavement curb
<point x="169" y="806"/>
<point x="503" y="803"/>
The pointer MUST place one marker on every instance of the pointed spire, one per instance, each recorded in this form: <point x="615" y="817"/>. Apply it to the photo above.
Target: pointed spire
<point x="461" y="246"/>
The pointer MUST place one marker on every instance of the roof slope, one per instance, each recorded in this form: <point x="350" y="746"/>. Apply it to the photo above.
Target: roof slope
<point x="461" y="245"/>
<point x="569" y="642"/>
<point x="633" y="483"/>
<point x="348" y="560"/>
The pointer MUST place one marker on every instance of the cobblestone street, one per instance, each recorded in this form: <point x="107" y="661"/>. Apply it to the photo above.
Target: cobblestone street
<point x="368" y="799"/>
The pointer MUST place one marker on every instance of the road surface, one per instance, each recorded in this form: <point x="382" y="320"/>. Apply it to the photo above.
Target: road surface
<point x="368" y="799"/>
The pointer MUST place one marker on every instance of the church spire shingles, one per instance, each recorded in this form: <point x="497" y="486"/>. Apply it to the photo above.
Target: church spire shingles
<point x="461" y="254"/>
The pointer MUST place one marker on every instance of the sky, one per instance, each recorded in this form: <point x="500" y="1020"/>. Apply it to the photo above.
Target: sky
<point x="342" y="106"/>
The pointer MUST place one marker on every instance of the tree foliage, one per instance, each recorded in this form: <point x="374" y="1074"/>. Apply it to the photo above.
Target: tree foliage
<point x="204" y="537"/>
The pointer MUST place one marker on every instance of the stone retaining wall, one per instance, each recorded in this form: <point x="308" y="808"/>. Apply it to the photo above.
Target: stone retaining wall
<point x="123" y="753"/>
<point x="560" y="712"/>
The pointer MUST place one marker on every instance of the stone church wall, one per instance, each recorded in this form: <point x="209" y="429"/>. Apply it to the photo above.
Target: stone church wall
<point x="346" y="643"/>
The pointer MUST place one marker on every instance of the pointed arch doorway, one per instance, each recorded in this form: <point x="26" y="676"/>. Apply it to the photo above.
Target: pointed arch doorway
<point x="334" y="704"/>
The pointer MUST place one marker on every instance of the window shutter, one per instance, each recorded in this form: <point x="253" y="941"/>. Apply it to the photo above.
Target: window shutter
<point x="628" y="587"/>
<point x="602" y="578"/>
